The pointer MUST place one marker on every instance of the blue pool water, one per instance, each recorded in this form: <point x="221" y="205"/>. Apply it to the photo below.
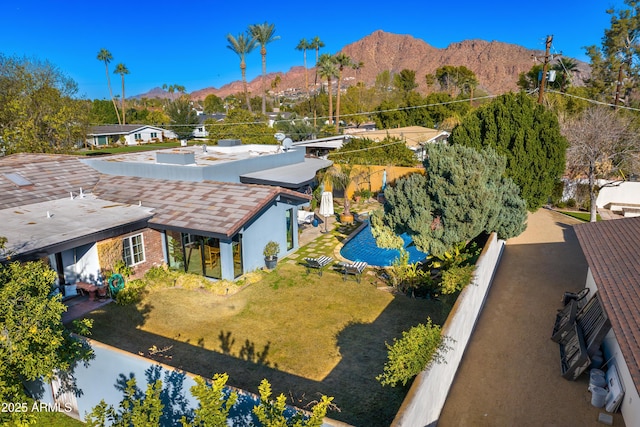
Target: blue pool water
<point x="362" y="247"/>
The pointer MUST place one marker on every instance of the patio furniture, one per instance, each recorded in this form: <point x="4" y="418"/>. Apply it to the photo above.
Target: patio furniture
<point x="354" y="268"/>
<point x="91" y="290"/>
<point x="318" y="263"/>
<point x="305" y="217"/>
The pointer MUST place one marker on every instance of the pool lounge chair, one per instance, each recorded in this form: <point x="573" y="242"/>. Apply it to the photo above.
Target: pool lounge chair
<point x="355" y="268"/>
<point x="318" y="263"/>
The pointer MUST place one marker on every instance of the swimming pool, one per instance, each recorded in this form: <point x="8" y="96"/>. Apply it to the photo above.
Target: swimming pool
<point x="362" y="247"/>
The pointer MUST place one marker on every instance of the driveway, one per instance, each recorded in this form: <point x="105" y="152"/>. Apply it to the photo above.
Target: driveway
<point x="510" y="373"/>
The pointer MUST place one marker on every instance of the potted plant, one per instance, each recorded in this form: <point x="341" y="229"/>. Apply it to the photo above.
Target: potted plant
<point x="270" y="253"/>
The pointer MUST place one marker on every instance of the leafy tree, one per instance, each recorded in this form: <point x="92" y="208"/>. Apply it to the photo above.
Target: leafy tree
<point x="34" y="343"/>
<point x="102" y="113"/>
<point x="418" y="349"/>
<point x="271" y="413"/>
<point x="602" y="143"/>
<point x="105" y="56"/>
<point x="122" y="70"/>
<point x="405" y="81"/>
<point x="430" y="79"/>
<point x="135" y="409"/>
<point x="214" y="403"/>
<point x="241" y="124"/>
<point x="452" y="78"/>
<point x="463" y="194"/>
<point x="263" y="35"/>
<point x="529" y="137"/>
<point x="213" y="104"/>
<point x="614" y="66"/>
<point x="38" y="109"/>
<point x="363" y="151"/>
<point x="242" y="45"/>
<point x="294" y="128"/>
<point x="184" y="118"/>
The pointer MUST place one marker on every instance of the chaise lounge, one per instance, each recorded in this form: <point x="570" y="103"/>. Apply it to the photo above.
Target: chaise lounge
<point x="318" y="263"/>
<point x="355" y="268"/>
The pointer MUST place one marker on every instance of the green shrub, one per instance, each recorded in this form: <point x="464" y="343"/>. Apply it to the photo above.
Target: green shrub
<point x="417" y="350"/>
<point x="456" y="278"/>
<point x="572" y="203"/>
<point x="131" y="293"/>
<point x="561" y="205"/>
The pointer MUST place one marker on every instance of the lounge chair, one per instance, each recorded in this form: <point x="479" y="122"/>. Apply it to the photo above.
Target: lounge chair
<point x="305" y="217"/>
<point x="318" y="263"/>
<point x="355" y="268"/>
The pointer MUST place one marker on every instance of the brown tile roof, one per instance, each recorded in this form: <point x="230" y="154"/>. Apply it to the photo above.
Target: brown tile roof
<point x="217" y="207"/>
<point x="612" y="250"/>
<point x="51" y="176"/>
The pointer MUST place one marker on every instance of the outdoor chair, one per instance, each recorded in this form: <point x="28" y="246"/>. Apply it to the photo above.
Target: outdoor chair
<point x="318" y="263"/>
<point x="354" y="268"/>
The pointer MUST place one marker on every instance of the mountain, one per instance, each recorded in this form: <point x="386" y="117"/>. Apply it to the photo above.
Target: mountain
<point x="496" y="64"/>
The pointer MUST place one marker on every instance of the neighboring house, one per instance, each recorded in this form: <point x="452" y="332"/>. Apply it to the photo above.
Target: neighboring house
<point x="200" y="130"/>
<point x="133" y="134"/>
<point x="416" y="137"/>
<point x="612" y="250"/>
<point x="63" y="209"/>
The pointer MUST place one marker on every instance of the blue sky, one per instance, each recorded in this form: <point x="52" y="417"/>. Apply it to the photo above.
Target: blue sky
<point x="185" y="42"/>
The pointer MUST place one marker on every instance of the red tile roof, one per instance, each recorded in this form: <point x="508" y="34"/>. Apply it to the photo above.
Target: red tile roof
<point x="612" y="250"/>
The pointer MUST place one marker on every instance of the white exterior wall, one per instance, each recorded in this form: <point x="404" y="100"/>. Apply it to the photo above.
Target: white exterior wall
<point x="625" y="192"/>
<point x="630" y="407"/>
<point x="429" y="391"/>
<point x="81" y="264"/>
<point x="145" y="136"/>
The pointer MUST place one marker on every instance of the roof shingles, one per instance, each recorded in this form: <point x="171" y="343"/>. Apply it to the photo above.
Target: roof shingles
<point x="612" y="250"/>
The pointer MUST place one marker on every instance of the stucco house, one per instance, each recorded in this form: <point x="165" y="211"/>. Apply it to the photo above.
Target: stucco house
<point x="133" y="134"/>
<point x="193" y="215"/>
<point x="611" y="249"/>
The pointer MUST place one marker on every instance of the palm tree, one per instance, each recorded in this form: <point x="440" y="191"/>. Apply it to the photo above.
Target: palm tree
<point x="242" y="45"/>
<point x="105" y="56"/>
<point x="263" y="34"/>
<point x="303" y="45"/>
<point x="328" y="69"/>
<point x="122" y="70"/>
<point x="315" y="44"/>
<point x="342" y="60"/>
<point x="358" y="66"/>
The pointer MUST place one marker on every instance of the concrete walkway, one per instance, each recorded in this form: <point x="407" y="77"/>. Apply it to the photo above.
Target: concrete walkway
<point x="510" y="373"/>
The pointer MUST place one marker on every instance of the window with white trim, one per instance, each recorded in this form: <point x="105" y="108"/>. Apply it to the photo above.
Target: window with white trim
<point x="133" y="250"/>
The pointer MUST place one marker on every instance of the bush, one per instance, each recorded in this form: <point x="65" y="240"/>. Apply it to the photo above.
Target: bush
<point x="561" y="205"/>
<point x="572" y="203"/>
<point x="416" y="351"/>
<point x="456" y="278"/>
<point x="131" y="293"/>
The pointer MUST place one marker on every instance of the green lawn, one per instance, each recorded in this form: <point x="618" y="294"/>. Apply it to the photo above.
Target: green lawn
<point x="582" y="216"/>
<point x="308" y="335"/>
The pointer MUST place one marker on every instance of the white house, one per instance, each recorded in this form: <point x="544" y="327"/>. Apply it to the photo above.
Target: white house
<point x="133" y="134"/>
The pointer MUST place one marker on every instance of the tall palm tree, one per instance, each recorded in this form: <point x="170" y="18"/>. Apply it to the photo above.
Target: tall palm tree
<point x="342" y="60"/>
<point x="105" y="56"/>
<point x="263" y="34"/>
<point x="122" y="70"/>
<point x="242" y="45"/>
<point x="304" y="45"/>
<point x="358" y="66"/>
<point x="328" y="69"/>
<point x="315" y="44"/>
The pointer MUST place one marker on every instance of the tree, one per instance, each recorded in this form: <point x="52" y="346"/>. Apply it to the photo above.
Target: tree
<point x="263" y="35"/>
<point x="242" y="45"/>
<point x="135" y="409"/>
<point x="102" y="113"/>
<point x="405" y="81"/>
<point x="241" y="124"/>
<point x="184" y="118"/>
<point x="213" y="104"/>
<point x="34" y="344"/>
<point x="363" y="151"/>
<point x="38" y="109"/>
<point x="214" y="403"/>
<point x="342" y="60"/>
<point x="304" y="45"/>
<point x="430" y="80"/>
<point x="105" y="56"/>
<point x="122" y="70"/>
<point x="529" y="137"/>
<point x="453" y="78"/>
<point x="602" y="143"/>
<point x="463" y="194"/>
<point x="316" y="44"/>
<point x="328" y="69"/>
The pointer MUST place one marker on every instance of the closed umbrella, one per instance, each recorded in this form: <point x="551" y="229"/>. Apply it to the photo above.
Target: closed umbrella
<point x="384" y="180"/>
<point x="326" y="207"/>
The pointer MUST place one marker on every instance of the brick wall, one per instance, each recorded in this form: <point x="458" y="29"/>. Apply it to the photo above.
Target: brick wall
<point x="152" y="251"/>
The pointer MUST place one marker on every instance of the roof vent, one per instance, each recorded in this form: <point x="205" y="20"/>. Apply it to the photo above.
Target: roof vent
<point x="229" y="142"/>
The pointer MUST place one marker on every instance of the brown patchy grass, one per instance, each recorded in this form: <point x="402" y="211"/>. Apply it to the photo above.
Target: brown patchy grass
<point x="308" y="335"/>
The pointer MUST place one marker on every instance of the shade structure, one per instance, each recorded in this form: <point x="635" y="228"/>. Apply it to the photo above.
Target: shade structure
<point x="384" y="179"/>
<point x="326" y="207"/>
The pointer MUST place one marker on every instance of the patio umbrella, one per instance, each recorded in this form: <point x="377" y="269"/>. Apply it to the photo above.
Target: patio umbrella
<point x="326" y="207"/>
<point x="384" y="179"/>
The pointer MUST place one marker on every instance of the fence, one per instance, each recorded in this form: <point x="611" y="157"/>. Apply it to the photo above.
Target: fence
<point x="427" y="395"/>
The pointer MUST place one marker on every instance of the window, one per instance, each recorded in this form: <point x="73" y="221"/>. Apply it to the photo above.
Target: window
<point x="289" y="225"/>
<point x="137" y="136"/>
<point x="133" y="250"/>
<point x="154" y="134"/>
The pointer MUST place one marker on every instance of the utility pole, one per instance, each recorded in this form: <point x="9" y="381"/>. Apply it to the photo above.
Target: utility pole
<point x="544" y="68"/>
